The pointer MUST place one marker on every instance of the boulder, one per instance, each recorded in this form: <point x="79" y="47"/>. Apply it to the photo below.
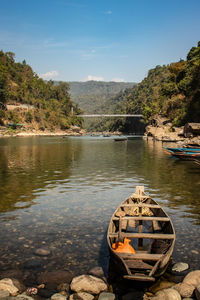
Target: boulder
<point x="81" y="296"/>
<point x="88" y="284"/>
<point x="58" y="296"/>
<point x="184" y="289"/>
<point x="192" y="278"/>
<point x="106" y="296"/>
<point x="6" y="284"/>
<point x="166" y="294"/>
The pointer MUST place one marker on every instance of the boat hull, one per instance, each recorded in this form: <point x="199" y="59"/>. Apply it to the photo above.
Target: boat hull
<point x="153" y="250"/>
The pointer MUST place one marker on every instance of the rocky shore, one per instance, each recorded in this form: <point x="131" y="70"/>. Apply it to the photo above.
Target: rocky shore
<point x="161" y="129"/>
<point x="179" y="283"/>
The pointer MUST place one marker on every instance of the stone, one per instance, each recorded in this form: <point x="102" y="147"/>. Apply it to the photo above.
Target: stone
<point x="89" y="284"/>
<point x="185" y="290"/>
<point x="192" y="278"/>
<point x="6" y="284"/>
<point x="45" y="293"/>
<point x="81" y="296"/>
<point x="197" y="292"/>
<point x="58" y="296"/>
<point x="166" y="294"/>
<point x="4" y="294"/>
<point x="42" y="252"/>
<point x="54" y="278"/>
<point x="106" y="296"/>
<point x="97" y="271"/>
<point x="180" y="267"/>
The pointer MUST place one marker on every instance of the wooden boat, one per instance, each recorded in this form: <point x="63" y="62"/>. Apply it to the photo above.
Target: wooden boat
<point x="177" y="150"/>
<point x="142" y="220"/>
<point x="120" y="139"/>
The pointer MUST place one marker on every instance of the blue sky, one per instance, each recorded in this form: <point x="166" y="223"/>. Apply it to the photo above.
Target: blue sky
<point x="120" y="40"/>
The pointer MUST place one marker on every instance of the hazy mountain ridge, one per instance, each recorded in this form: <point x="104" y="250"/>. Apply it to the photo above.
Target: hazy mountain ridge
<point x="95" y="96"/>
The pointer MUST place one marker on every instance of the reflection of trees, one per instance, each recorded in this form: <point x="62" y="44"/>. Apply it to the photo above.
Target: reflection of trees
<point x="27" y="165"/>
<point x="178" y="181"/>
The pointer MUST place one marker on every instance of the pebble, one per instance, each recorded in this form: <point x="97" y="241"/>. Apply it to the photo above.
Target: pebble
<point x="42" y="252"/>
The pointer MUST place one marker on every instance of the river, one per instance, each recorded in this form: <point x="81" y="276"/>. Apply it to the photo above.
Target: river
<point x="59" y="193"/>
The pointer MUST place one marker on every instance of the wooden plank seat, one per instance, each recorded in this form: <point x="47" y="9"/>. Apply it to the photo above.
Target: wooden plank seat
<point x="143" y="218"/>
<point x="138" y="264"/>
<point x="143" y="235"/>
<point x="140" y="277"/>
<point x="140" y="255"/>
<point x="141" y="205"/>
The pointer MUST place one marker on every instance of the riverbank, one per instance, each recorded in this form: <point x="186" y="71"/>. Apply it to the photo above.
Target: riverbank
<point x="73" y="131"/>
<point x="179" y="283"/>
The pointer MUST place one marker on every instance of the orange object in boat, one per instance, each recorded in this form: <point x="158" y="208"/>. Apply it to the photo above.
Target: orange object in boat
<point x="124" y="247"/>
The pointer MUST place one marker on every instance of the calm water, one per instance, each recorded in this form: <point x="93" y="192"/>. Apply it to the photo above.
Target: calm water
<point x="59" y="193"/>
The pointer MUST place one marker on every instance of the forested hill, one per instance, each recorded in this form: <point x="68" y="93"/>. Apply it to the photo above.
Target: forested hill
<point x="171" y="90"/>
<point x="91" y="96"/>
<point x="50" y="105"/>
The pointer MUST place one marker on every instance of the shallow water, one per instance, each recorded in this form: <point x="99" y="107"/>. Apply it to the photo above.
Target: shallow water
<point x="59" y="193"/>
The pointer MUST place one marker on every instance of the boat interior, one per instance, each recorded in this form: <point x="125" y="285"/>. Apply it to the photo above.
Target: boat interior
<point x="150" y="232"/>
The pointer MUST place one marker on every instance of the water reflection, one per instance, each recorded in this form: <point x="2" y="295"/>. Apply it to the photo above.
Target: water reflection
<point x="60" y="194"/>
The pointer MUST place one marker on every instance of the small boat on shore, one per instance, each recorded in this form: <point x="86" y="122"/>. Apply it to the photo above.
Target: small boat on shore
<point x="140" y="237"/>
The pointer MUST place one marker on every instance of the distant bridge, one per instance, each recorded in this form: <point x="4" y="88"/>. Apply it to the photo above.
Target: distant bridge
<point x="111" y="115"/>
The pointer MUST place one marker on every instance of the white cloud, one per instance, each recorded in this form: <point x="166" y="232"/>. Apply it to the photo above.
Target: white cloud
<point x="118" y="80"/>
<point x="108" y="12"/>
<point x="48" y="75"/>
<point x="95" y="78"/>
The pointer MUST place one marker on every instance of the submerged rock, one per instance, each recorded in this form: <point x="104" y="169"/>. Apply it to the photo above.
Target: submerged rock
<point x="89" y="284"/>
<point x="42" y="251"/>
<point x="54" y="278"/>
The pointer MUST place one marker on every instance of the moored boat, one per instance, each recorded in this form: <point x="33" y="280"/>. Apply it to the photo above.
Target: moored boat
<point x="140" y="237"/>
<point x="120" y="139"/>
